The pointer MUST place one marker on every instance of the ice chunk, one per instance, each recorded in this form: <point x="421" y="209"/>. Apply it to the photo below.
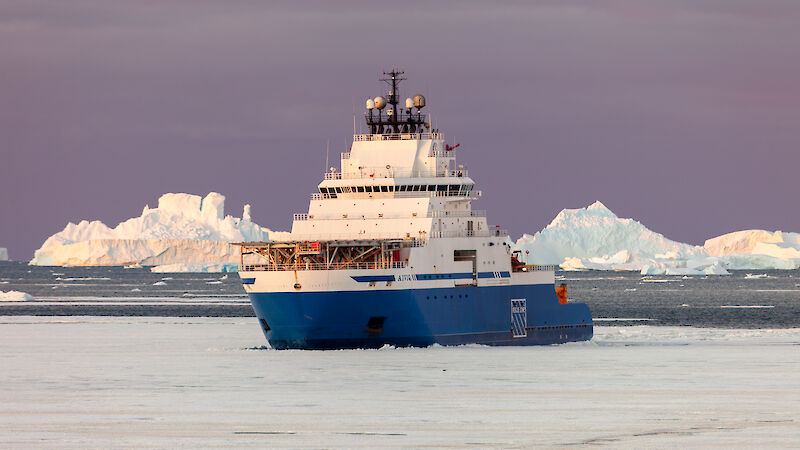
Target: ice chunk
<point x="3" y="254"/>
<point x="15" y="296"/>
<point x="184" y="204"/>
<point x="213" y="206"/>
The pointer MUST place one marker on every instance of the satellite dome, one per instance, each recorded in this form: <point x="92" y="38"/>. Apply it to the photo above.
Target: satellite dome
<point x="419" y="101"/>
<point x="409" y="103"/>
<point x="380" y="102"/>
<point x="370" y="103"/>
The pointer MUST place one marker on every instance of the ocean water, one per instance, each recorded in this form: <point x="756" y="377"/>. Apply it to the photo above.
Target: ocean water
<point x="118" y="358"/>
<point x="753" y="299"/>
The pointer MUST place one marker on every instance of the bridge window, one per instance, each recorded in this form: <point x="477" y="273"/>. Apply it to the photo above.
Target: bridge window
<point x="360" y="189"/>
<point x="441" y="188"/>
<point x="384" y="188"/>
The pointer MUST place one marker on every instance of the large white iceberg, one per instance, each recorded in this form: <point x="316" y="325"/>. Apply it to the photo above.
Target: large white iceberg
<point x="184" y="228"/>
<point x="594" y="238"/>
<point x="3" y="254"/>
<point x="756" y="249"/>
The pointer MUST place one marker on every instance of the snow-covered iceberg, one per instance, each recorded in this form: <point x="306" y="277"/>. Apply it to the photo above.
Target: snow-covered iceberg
<point x="756" y="249"/>
<point x="15" y="296"/>
<point x="184" y="228"/>
<point x="3" y="254"/>
<point x="594" y="238"/>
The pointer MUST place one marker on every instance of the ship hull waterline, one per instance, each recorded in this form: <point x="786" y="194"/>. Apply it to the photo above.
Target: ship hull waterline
<point x="420" y="317"/>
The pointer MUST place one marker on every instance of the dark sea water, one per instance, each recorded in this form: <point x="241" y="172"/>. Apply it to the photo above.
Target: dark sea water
<point x="766" y="299"/>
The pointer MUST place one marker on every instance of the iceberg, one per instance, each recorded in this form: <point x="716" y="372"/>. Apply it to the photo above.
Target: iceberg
<point x="184" y="228"/>
<point x="3" y="254"/>
<point x="15" y="296"/>
<point x="594" y="238"/>
<point x="756" y="249"/>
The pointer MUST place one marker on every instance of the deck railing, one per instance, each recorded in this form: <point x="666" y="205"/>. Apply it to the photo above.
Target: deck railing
<point x="460" y="233"/>
<point x="473" y="213"/>
<point x="396" y="137"/>
<point x="323" y="266"/>
<point x="372" y="173"/>
<point x="434" y="215"/>
<point x="414" y="239"/>
<point x="473" y="194"/>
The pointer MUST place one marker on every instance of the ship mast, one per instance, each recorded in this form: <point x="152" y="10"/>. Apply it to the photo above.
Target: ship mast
<point x="397" y="120"/>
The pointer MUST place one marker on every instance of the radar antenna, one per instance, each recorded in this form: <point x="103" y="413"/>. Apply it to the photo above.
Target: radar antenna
<point x="397" y="120"/>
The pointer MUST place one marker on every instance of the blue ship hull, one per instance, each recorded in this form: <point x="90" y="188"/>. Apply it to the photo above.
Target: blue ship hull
<point x="420" y="317"/>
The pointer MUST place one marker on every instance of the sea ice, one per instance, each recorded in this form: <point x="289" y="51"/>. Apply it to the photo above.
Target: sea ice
<point x="196" y="267"/>
<point x="170" y="382"/>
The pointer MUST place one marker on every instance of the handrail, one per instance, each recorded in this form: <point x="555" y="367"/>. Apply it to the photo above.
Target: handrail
<point x="396" y="137"/>
<point x="416" y="239"/>
<point x="433" y="215"/>
<point x="398" y="194"/>
<point x="537" y="267"/>
<point x="357" y="266"/>
<point x="474" y="213"/>
<point x="371" y="173"/>
<point x="459" y="233"/>
<point x="323" y="266"/>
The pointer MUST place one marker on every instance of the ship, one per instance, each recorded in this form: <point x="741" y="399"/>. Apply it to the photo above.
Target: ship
<point x="391" y="253"/>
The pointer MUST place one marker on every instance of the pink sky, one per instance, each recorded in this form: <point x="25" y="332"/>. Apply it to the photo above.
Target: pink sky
<point x="683" y="115"/>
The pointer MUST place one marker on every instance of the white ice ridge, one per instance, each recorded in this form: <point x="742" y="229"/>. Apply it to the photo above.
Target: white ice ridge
<point x="15" y="296"/>
<point x="184" y="228"/>
<point x="594" y="238"/>
<point x="3" y="254"/>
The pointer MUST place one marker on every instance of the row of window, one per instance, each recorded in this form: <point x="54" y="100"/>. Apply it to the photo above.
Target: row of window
<point x="449" y="188"/>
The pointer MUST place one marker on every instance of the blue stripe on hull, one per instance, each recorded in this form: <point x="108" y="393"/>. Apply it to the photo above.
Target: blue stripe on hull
<point x="419" y="317"/>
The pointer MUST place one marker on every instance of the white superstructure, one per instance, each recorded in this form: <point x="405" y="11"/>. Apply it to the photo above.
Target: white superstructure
<point x="398" y="203"/>
<point x="391" y="252"/>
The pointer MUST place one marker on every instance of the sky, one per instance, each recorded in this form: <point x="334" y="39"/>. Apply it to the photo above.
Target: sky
<point x="684" y="115"/>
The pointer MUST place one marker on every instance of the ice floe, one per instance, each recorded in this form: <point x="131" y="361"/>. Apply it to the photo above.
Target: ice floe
<point x="15" y="296"/>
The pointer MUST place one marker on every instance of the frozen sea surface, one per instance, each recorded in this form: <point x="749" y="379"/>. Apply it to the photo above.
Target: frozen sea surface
<point x="115" y="382"/>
